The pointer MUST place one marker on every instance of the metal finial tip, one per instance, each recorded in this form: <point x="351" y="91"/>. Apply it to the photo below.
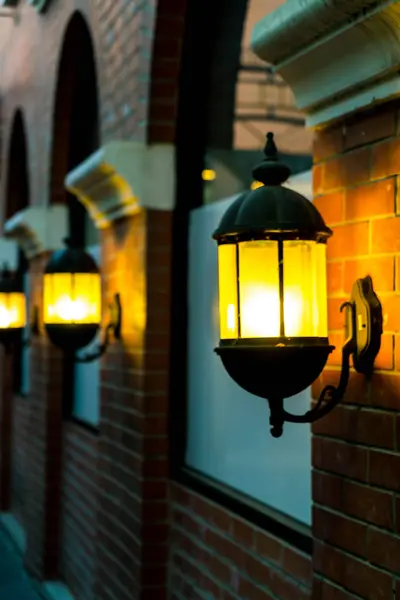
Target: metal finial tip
<point x="270" y="150"/>
<point x="271" y="171"/>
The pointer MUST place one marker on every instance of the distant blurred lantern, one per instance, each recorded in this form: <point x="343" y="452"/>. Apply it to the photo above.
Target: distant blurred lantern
<point x="208" y="175"/>
<point x="12" y="307"/>
<point x="72" y="305"/>
<point x="273" y="299"/>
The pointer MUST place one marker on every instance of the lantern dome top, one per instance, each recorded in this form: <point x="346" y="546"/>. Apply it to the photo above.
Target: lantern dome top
<point x="8" y="282"/>
<point x="272" y="208"/>
<point x="71" y="260"/>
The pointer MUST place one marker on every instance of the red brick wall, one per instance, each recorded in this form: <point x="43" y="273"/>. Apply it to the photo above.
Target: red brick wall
<point x="216" y="552"/>
<point x="79" y="510"/>
<point x="43" y="464"/>
<point x="132" y="523"/>
<point x="6" y="396"/>
<point x="356" y="449"/>
<point x="20" y="449"/>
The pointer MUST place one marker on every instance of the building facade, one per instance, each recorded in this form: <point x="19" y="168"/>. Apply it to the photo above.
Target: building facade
<point x="148" y="474"/>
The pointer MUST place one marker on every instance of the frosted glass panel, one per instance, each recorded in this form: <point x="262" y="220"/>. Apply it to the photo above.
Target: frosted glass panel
<point x="228" y="429"/>
<point x="259" y="289"/>
<point x="86" y="404"/>
<point x="305" y="306"/>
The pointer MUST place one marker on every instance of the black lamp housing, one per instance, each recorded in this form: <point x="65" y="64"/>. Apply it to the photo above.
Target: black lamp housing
<point x="279" y="367"/>
<point x="70" y="336"/>
<point x="9" y="284"/>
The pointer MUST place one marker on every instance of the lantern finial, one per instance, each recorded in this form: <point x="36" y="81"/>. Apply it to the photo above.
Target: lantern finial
<point x="271" y="171"/>
<point x="270" y="149"/>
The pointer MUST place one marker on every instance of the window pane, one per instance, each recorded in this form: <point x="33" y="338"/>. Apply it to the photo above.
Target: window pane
<point x="228" y="435"/>
<point x="259" y="289"/>
<point x="305" y="303"/>
<point x="86" y="394"/>
<point x="227" y="291"/>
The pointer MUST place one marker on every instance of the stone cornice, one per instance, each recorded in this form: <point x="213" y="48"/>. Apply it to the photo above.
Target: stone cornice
<point x="337" y="56"/>
<point x="123" y="177"/>
<point x="38" y="229"/>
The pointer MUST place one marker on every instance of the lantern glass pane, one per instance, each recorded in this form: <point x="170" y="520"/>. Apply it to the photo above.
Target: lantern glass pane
<point x="72" y="298"/>
<point x="305" y="296"/>
<point x="228" y="305"/>
<point x="12" y="310"/>
<point x="259" y="289"/>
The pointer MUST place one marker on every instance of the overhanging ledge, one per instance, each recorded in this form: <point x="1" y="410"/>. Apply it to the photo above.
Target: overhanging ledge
<point x="336" y="55"/>
<point x="123" y="177"/>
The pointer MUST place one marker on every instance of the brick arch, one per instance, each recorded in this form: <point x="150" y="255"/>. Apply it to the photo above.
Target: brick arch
<point x="17" y="183"/>
<point x="76" y="114"/>
<point x="195" y="58"/>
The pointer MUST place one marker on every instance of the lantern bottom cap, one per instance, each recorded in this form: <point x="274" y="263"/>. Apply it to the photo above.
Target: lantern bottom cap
<point x="72" y="336"/>
<point x="274" y="371"/>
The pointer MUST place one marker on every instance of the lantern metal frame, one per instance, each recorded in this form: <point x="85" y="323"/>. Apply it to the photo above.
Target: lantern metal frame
<point x="71" y="337"/>
<point x="10" y="284"/>
<point x="280" y="367"/>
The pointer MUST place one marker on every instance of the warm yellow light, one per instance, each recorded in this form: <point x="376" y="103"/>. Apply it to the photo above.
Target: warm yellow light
<point x="12" y="310"/>
<point x="72" y="298"/>
<point x="259" y="289"/>
<point x="257" y="311"/>
<point x="227" y="291"/>
<point x="256" y="184"/>
<point x="305" y="306"/>
<point x="209" y="175"/>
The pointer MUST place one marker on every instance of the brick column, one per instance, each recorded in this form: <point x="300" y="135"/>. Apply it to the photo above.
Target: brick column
<point x="44" y="452"/>
<point x="6" y="398"/>
<point x="356" y="450"/>
<point x="132" y="520"/>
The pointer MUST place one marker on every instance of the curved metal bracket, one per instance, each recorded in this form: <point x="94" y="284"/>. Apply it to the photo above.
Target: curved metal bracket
<point x="114" y="327"/>
<point x="363" y="328"/>
<point x="34" y="327"/>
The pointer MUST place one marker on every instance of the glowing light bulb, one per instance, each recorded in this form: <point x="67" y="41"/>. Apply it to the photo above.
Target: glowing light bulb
<point x="260" y="313"/>
<point x="6" y="317"/>
<point x="70" y="310"/>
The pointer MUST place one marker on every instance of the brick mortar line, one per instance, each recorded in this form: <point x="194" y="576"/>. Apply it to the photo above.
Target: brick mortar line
<point x="175" y="570"/>
<point x="373" y="486"/>
<point x="358" y="520"/>
<point x="357" y="558"/>
<point x="262" y="560"/>
<point x="229" y="589"/>
<point x="338" y="586"/>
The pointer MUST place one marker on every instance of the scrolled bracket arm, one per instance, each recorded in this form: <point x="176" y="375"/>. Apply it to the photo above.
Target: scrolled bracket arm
<point x="113" y="328"/>
<point x="330" y="395"/>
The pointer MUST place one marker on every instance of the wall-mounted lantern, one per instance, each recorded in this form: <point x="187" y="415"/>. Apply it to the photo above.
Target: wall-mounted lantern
<point x="273" y="298"/>
<point x="72" y="306"/>
<point x="12" y="307"/>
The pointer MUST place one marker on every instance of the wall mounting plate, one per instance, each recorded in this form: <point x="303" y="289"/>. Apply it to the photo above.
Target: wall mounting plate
<point x="367" y="325"/>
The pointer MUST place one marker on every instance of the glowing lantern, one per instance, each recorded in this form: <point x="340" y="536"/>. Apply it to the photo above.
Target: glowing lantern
<point x="71" y="298"/>
<point x="12" y="307"/>
<point x="273" y="296"/>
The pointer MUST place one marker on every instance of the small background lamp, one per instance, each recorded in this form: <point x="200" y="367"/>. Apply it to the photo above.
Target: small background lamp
<point x="12" y="307"/>
<point x="72" y="306"/>
<point x="272" y="297"/>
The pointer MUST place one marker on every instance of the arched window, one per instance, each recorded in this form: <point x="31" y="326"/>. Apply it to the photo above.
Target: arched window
<point x="75" y="137"/>
<point x="17" y="198"/>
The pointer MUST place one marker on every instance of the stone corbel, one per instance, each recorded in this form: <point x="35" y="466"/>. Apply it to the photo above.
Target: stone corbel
<point x="8" y="254"/>
<point x="39" y="5"/>
<point x="38" y="229"/>
<point x="337" y="56"/>
<point x="123" y="177"/>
